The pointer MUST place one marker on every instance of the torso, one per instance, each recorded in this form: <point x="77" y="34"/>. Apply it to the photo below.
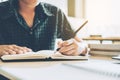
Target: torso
<point x="14" y="31"/>
<point x="29" y="18"/>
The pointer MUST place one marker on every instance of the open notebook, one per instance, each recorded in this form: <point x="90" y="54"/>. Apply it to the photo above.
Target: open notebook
<point x="43" y="55"/>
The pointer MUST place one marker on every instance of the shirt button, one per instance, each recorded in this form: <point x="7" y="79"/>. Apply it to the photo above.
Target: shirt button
<point x="38" y="21"/>
<point x="31" y="32"/>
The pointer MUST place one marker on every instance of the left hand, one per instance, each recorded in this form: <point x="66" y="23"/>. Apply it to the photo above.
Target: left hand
<point x="69" y="48"/>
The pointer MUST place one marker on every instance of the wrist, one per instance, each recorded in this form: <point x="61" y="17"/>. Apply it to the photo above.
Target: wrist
<point x="82" y="48"/>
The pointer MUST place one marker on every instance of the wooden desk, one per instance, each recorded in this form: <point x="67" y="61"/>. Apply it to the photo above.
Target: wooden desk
<point x="49" y="70"/>
<point x="113" y="39"/>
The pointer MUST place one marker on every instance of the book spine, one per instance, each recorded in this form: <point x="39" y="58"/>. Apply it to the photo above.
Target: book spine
<point x="104" y="53"/>
<point x="111" y="47"/>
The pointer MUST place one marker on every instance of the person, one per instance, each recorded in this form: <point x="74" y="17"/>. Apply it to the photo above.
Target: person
<point x="30" y="25"/>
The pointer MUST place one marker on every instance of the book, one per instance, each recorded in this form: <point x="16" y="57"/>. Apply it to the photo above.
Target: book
<point x="105" y="47"/>
<point x="105" y="53"/>
<point x="43" y="55"/>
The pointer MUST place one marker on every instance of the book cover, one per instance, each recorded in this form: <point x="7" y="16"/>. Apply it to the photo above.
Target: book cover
<point x="105" y="47"/>
<point x="105" y="53"/>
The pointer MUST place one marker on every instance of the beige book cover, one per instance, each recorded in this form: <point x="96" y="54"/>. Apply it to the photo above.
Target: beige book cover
<point x="105" y="53"/>
<point x="105" y="47"/>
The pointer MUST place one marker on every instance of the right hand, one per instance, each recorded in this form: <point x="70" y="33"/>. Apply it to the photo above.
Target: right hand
<point x="13" y="49"/>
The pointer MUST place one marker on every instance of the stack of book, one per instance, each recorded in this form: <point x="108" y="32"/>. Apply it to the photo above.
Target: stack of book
<point x="105" y="49"/>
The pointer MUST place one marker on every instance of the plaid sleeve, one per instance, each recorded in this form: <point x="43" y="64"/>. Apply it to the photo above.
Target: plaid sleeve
<point x="64" y="28"/>
<point x="1" y="37"/>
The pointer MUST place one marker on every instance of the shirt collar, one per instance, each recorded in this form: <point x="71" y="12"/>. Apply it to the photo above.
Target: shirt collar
<point x="45" y="9"/>
<point x="12" y="9"/>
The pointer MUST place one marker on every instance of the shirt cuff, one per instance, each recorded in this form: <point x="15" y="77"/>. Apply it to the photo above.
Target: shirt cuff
<point x="82" y="48"/>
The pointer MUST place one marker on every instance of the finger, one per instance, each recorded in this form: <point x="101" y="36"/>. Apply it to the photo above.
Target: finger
<point x="27" y="49"/>
<point x="68" y="42"/>
<point x="66" y="49"/>
<point x="18" y="51"/>
<point x="62" y="43"/>
<point x="78" y="39"/>
<point x="70" y="53"/>
<point x="10" y="47"/>
<point x="65" y="43"/>
<point x="4" y="53"/>
<point x="21" y="50"/>
<point x="14" y="49"/>
<point x="10" y="51"/>
<point x="69" y="47"/>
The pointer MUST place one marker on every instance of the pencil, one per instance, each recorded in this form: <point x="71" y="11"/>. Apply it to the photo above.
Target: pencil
<point x="84" y="23"/>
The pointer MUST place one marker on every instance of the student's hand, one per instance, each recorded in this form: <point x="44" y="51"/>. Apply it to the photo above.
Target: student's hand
<point x="68" y="48"/>
<point x="13" y="49"/>
<point x="72" y="48"/>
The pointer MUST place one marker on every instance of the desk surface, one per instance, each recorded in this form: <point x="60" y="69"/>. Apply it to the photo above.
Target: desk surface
<point x="55" y="70"/>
